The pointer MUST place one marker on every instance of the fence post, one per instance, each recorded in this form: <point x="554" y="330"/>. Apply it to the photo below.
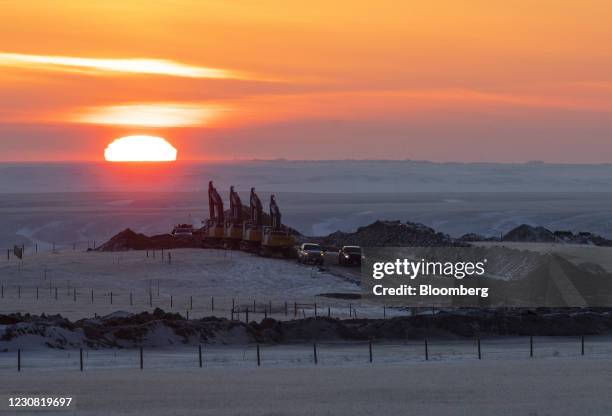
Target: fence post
<point x="200" y="354"/>
<point x="479" y="355"/>
<point x="531" y="346"/>
<point x="171" y="303"/>
<point x="270" y="307"/>
<point x="315" y="306"/>
<point x="141" y="359"/>
<point x="74" y="294"/>
<point x="254" y="306"/>
<point x="81" y="358"/>
<point x="286" y="309"/>
<point x="328" y="312"/>
<point x="212" y="303"/>
<point x="55" y="292"/>
<point x="582" y="345"/>
<point x="18" y="359"/>
<point x="36" y="292"/>
<point x="191" y="302"/>
<point x="92" y="296"/>
<point x="314" y="350"/>
<point x="295" y="309"/>
<point x="258" y="356"/>
<point x="426" y="350"/>
<point x="384" y="311"/>
<point x="111" y="293"/>
<point x="131" y="300"/>
<point x="247" y="315"/>
<point x="19" y="292"/>
<point x="370" y="347"/>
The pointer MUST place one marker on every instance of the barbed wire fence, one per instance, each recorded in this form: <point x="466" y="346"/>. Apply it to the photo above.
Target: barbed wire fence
<point x="340" y="353"/>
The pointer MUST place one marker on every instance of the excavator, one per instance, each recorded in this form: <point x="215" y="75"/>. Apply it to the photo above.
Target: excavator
<point x="276" y="237"/>
<point x="233" y="226"/>
<point x="214" y="225"/>
<point x="251" y="231"/>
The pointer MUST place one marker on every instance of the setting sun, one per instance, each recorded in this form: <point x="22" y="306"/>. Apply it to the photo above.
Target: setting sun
<point x="140" y="149"/>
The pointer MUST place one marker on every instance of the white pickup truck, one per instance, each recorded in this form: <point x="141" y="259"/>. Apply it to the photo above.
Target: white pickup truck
<point x="310" y="253"/>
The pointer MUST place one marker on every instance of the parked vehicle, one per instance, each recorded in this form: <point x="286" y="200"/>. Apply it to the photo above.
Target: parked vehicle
<point x="183" y="230"/>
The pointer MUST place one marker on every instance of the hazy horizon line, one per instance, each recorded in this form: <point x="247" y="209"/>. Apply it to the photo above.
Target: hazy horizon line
<point x="279" y="160"/>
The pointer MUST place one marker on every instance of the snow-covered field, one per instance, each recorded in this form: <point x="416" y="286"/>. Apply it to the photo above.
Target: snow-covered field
<point x="65" y="203"/>
<point x="521" y="386"/>
<point x="194" y="277"/>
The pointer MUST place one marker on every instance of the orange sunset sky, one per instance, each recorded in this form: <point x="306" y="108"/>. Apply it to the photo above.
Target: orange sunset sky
<point x="438" y="80"/>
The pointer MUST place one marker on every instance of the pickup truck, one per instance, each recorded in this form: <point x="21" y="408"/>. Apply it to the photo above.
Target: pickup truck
<point x="310" y="253"/>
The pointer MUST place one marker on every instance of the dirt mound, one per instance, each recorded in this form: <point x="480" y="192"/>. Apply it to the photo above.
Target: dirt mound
<point x="473" y="237"/>
<point x="582" y="238"/>
<point x="527" y="233"/>
<point x="130" y="240"/>
<point x="160" y="328"/>
<point x="391" y="234"/>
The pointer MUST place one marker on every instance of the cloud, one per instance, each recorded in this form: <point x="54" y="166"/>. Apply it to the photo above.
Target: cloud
<point x="115" y="65"/>
<point x="148" y="115"/>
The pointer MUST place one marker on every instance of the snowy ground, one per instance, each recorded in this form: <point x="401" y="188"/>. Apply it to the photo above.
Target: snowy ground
<point x="521" y="386"/>
<point x="194" y="275"/>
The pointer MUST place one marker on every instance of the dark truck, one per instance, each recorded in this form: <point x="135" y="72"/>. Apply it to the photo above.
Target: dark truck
<point x="349" y="256"/>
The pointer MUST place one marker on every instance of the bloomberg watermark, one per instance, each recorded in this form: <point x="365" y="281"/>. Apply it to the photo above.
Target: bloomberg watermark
<point x="486" y="276"/>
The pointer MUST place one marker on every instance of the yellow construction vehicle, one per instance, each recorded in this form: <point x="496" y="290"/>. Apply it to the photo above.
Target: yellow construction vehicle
<point x="233" y="225"/>
<point x="252" y="228"/>
<point x="276" y="237"/>
<point x="214" y="231"/>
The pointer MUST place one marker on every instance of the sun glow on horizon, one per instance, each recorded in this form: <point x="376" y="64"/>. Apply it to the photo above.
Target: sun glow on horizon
<point x="140" y="148"/>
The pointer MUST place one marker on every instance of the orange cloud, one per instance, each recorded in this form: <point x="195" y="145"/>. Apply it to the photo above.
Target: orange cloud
<point x="123" y="65"/>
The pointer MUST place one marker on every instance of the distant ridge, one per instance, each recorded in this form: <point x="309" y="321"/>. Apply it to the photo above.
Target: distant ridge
<point x="525" y="233"/>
